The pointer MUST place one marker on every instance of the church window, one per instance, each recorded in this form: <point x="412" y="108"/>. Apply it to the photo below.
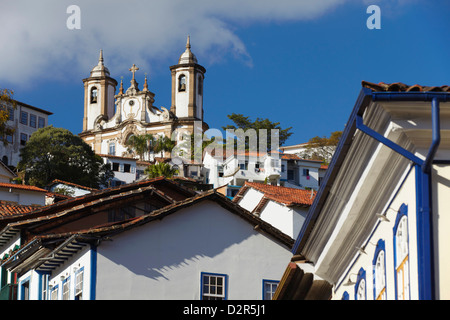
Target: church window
<point x="200" y="85"/>
<point x="182" y="83"/>
<point x="360" y="287"/>
<point x="112" y="149"/>
<point x="10" y="114"/>
<point x="402" y="255"/>
<point x="24" y="117"/>
<point x="33" y="120"/>
<point x="94" y="95"/>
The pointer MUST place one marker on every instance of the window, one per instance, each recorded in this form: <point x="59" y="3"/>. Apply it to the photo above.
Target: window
<point x="290" y="174"/>
<point x="44" y="286"/>
<point x="269" y="288"/>
<point x="112" y="149"/>
<point x="243" y="165"/>
<point x="54" y="293"/>
<point x="66" y="288"/>
<point x="360" y="287"/>
<point x="115" y="166"/>
<point x="127" y="167"/>
<point x="182" y="83"/>
<point x="24" y="117"/>
<point x="402" y="254"/>
<point x="9" y="138"/>
<point x="25" y="295"/>
<point x="33" y="120"/>
<point x="23" y="139"/>
<point x="94" y="95"/>
<point x="41" y="122"/>
<point x="379" y="272"/>
<point x="306" y="172"/>
<point x="10" y="114"/>
<point x="213" y="286"/>
<point x="200" y="85"/>
<point x="282" y="168"/>
<point x="79" y="284"/>
<point x="5" y="160"/>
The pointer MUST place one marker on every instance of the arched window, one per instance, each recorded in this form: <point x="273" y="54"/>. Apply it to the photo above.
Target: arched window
<point x="360" y="287"/>
<point x="379" y="271"/>
<point x="402" y="254"/>
<point x="94" y="95"/>
<point x="182" y="83"/>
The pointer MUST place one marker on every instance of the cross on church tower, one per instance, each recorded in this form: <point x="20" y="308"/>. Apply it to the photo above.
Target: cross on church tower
<point x="133" y="69"/>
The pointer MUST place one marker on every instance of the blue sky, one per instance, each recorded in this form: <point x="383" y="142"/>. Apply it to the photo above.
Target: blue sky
<point x="299" y="63"/>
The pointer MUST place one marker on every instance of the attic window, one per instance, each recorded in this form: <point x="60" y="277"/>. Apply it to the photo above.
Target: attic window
<point x="182" y="83"/>
<point x="94" y="95"/>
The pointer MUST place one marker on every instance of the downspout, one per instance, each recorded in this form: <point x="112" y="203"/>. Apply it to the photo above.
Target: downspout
<point x="423" y="182"/>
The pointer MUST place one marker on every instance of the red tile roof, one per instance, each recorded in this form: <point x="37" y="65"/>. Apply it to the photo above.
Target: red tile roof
<point x="21" y="186"/>
<point x="285" y="195"/>
<point x="7" y="209"/>
<point x="398" y="86"/>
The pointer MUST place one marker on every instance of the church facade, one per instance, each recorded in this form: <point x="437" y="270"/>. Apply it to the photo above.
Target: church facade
<point x="111" y="118"/>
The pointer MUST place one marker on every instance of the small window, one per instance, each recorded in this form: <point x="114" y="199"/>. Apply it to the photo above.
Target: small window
<point x="23" y="139"/>
<point x="269" y="288"/>
<point x="243" y="165"/>
<point x="127" y="167"/>
<point x="94" y="95"/>
<point x="54" y="293"/>
<point x="33" y="120"/>
<point x="200" y="85"/>
<point x="44" y="286"/>
<point x="9" y="138"/>
<point x="182" y="83"/>
<point x="10" y="114"/>
<point x="26" y="290"/>
<point x="306" y="172"/>
<point x="112" y="149"/>
<point x="24" y="117"/>
<point x="79" y="284"/>
<point x="115" y="166"/>
<point x="41" y="122"/>
<point x="66" y="289"/>
<point x="213" y="286"/>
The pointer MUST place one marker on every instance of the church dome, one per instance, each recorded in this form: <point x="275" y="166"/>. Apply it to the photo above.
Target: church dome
<point x="187" y="56"/>
<point x="100" y="70"/>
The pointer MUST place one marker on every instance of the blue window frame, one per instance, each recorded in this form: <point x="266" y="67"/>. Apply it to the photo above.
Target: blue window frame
<point x="213" y="286"/>
<point x="269" y="288"/>
<point x="25" y="289"/>
<point x="54" y="293"/>
<point x="43" y="286"/>
<point x="66" y="289"/>
<point x="79" y="284"/>
<point x="401" y="254"/>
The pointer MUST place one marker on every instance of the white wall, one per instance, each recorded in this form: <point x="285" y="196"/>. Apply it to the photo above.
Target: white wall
<point x="164" y="259"/>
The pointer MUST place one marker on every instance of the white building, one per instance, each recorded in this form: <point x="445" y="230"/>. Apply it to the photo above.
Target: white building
<point x="203" y="247"/>
<point x="378" y="227"/>
<point x="24" y="119"/>
<point x="22" y="194"/>
<point x="284" y="208"/>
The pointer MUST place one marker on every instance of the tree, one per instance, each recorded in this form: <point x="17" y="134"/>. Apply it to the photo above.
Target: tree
<point x="322" y="148"/>
<point x="55" y="153"/>
<point x="163" y="143"/>
<point x="140" y="144"/>
<point x="244" y="123"/>
<point x="6" y="101"/>
<point x="160" y="169"/>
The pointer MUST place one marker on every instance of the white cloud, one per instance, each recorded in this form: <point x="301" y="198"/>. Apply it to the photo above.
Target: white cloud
<point x="36" y="43"/>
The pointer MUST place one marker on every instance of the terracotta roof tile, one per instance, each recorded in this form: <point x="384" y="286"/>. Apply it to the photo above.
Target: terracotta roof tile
<point x="21" y="186"/>
<point x="285" y="195"/>
<point x="7" y="209"/>
<point x="401" y="87"/>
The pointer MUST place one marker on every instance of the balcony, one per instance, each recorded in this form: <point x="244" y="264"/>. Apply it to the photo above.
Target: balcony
<point x="8" y="292"/>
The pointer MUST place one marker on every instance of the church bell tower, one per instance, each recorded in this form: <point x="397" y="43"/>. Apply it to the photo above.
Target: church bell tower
<point x="99" y="90"/>
<point x="187" y="86"/>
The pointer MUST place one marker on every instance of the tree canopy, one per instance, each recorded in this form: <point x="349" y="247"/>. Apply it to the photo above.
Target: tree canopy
<point x="245" y="123"/>
<point x="322" y="148"/>
<point x="160" y="169"/>
<point x="55" y="153"/>
<point x="6" y="100"/>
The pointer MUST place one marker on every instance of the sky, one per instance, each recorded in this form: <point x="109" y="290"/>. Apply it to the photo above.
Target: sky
<point x="297" y="62"/>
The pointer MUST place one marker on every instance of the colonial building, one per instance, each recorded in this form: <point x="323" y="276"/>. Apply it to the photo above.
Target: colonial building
<point x="111" y="117"/>
<point x="378" y="227"/>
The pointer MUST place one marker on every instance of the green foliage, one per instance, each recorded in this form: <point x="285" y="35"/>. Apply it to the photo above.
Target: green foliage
<point x="244" y="123"/>
<point x="143" y="143"/>
<point x="322" y="148"/>
<point x="55" y="153"/>
<point x="160" y="169"/>
<point x="6" y="99"/>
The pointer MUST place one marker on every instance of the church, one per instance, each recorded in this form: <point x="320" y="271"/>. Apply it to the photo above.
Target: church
<point x="111" y="118"/>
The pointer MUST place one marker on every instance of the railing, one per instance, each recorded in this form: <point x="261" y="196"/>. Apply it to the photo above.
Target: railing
<point x="8" y="292"/>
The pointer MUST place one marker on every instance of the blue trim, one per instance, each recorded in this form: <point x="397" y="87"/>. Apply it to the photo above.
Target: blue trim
<point x="214" y="274"/>
<point x="381" y="247"/>
<point x="345" y="296"/>
<point x="62" y="287"/>
<point x="264" y="281"/>
<point x="93" y="274"/>
<point x="81" y="269"/>
<point x="21" y="293"/>
<point x="40" y="284"/>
